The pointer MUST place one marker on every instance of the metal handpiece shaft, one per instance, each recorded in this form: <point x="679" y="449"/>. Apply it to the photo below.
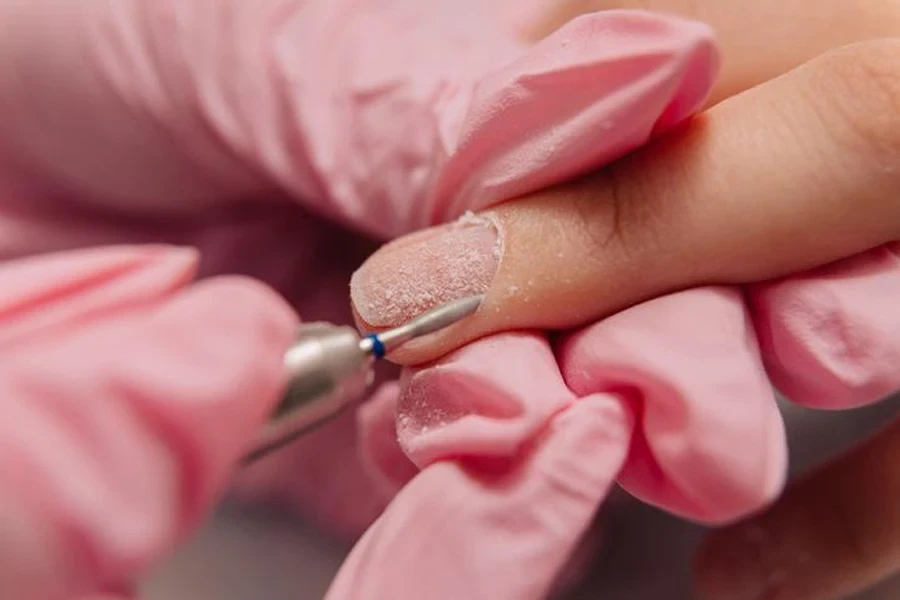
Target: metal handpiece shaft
<point x="327" y="370"/>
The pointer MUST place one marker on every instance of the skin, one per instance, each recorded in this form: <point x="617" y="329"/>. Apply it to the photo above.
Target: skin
<point x="815" y="86"/>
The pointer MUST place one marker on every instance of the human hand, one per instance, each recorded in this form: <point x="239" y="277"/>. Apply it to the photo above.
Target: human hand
<point x="215" y="125"/>
<point x="722" y="202"/>
<point x="127" y="397"/>
<point x="733" y="200"/>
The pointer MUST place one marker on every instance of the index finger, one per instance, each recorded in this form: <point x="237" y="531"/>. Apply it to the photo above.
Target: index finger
<point x="808" y="157"/>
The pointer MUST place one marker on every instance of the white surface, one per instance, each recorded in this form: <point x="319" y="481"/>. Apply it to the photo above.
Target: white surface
<point x="251" y="556"/>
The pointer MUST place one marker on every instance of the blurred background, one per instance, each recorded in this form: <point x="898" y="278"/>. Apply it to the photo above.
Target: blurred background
<point x="245" y="553"/>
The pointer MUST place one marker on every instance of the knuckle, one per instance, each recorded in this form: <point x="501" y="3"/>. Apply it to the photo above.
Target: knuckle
<point x="650" y="196"/>
<point x="629" y="216"/>
<point x="596" y="222"/>
<point x="860" y="85"/>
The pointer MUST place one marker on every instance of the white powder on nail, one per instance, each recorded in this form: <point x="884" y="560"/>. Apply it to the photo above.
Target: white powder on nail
<point x="469" y="218"/>
<point x="409" y="278"/>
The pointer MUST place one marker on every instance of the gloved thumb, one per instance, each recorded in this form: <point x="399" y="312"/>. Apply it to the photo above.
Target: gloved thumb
<point x="125" y="400"/>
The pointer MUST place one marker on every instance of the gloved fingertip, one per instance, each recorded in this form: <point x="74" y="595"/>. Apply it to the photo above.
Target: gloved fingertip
<point x="46" y="293"/>
<point x="245" y="300"/>
<point x="627" y="73"/>
<point x="72" y="272"/>
<point x="710" y="442"/>
<point x="160" y="270"/>
<point x="506" y="528"/>
<point x="831" y="337"/>
<point x="485" y="399"/>
<point x="206" y="369"/>
<point x="380" y="453"/>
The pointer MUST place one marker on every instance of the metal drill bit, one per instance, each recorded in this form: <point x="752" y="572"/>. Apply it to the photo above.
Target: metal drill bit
<point x="443" y="316"/>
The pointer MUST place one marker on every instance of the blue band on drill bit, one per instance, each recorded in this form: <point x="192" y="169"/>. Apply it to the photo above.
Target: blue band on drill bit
<point x="378" y="349"/>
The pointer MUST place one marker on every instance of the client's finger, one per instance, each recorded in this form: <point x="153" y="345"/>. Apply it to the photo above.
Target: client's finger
<point x="759" y="40"/>
<point x="795" y="173"/>
<point x="833" y="534"/>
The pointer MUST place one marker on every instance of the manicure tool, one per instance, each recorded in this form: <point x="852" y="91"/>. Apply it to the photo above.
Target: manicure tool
<point x="331" y="366"/>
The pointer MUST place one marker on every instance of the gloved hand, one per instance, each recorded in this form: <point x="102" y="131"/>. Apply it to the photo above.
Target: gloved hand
<point x="127" y="395"/>
<point x="236" y="128"/>
<point x="669" y="398"/>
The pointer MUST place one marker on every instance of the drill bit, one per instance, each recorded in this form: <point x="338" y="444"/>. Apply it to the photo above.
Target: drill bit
<point x="379" y="344"/>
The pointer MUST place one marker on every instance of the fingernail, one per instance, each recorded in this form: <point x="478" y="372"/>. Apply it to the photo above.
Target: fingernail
<point x="730" y="565"/>
<point x="427" y="269"/>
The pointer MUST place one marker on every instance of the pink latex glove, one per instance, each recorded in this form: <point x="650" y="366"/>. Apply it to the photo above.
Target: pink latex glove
<point x="516" y="453"/>
<point x="126" y="398"/>
<point x="226" y="127"/>
<point x="518" y="441"/>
